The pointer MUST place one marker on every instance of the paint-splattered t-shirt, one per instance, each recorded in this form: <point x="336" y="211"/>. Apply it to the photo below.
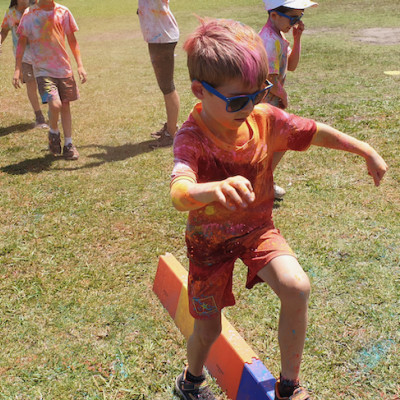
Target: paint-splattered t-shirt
<point x="46" y="32"/>
<point x="202" y="157"/>
<point x="278" y="50"/>
<point x="10" y="22"/>
<point x="157" y="22"/>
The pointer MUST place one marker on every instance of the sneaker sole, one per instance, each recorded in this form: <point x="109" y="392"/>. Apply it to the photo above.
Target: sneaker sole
<point x="71" y="158"/>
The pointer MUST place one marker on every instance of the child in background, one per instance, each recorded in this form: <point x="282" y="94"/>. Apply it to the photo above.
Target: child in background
<point x="223" y="176"/>
<point x="160" y="31"/>
<point x="283" y="15"/>
<point x="44" y="26"/>
<point x="10" y="23"/>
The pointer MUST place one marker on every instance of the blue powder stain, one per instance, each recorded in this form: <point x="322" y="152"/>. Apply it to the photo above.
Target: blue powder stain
<point x="370" y="358"/>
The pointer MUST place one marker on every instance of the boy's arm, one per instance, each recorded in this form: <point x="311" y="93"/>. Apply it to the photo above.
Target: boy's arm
<point x="73" y="44"/>
<point x="21" y="46"/>
<point x="294" y="57"/>
<point x="329" y="137"/>
<point x="3" y="35"/>
<point x="278" y="89"/>
<point x="232" y="193"/>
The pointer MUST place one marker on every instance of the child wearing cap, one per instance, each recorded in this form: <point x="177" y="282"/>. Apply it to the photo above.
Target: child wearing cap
<point x="283" y="16"/>
<point x="222" y="176"/>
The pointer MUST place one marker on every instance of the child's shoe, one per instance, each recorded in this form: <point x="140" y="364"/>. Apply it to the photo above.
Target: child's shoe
<point x="299" y="393"/>
<point x="40" y="121"/>
<point x="160" y="133"/>
<point x="55" y="143"/>
<point x="70" y="152"/>
<point x="41" y="125"/>
<point x="192" y="391"/>
<point x="165" y="140"/>
<point x="279" y="192"/>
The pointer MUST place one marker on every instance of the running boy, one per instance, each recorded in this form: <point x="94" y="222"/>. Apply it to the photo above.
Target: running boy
<point x="10" y="23"/>
<point x="222" y="175"/>
<point x="44" y="26"/>
<point x="283" y="15"/>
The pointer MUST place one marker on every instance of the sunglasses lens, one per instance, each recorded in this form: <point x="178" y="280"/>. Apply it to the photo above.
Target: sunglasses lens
<point x="237" y="104"/>
<point x="260" y="96"/>
<point x="295" y="20"/>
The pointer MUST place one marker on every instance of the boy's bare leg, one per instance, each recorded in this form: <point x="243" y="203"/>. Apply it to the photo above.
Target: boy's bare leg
<point x="172" y="108"/>
<point x="288" y="280"/>
<point x="54" y="113"/>
<point x="31" y="90"/>
<point x="66" y="119"/>
<point x="204" y="334"/>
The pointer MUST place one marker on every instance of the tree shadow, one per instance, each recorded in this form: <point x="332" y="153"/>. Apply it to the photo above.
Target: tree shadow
<point x="23" y="127"/>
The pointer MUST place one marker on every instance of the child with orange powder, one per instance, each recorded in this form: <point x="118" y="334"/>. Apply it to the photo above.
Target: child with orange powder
<point x="44" y="26"/>
<point x="10" y="23"/>
<point x="222" y="175"/>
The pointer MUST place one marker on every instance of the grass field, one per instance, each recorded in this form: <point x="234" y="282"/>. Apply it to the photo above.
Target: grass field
<point x="79" y="241"/>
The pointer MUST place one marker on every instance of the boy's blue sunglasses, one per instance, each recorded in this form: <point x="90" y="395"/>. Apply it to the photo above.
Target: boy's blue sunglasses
<point x="237" y="103"/>
<point x="292" y="20"/>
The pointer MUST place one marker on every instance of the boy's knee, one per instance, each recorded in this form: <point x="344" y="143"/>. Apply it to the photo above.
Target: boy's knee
<point x="55" y="104"/>
<point x="296" y="288"/>
<point x="208" y="335"/>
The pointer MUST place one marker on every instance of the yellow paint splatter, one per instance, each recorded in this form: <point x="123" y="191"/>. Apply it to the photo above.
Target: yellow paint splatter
<point x="210" y="210"/>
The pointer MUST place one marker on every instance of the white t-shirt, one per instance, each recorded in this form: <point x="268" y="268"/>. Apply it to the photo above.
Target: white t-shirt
<point x="157" y="22"/>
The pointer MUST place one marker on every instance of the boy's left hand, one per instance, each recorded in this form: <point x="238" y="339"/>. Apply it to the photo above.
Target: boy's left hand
<point x="376" y="166"/>
<point x="298" y="30"/>
<point x="82" y="74"/>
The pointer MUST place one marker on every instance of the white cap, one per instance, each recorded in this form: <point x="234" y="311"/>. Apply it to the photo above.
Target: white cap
<point x="296" y="4"/>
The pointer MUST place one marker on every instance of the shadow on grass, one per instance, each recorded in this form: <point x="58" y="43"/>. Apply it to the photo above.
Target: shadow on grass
<point x="23" y="127"/>
<point x="117" y="153"/>
<point x="34" y="165"/>
<point x="277" y="203"/>
<point x="108" y="154"/>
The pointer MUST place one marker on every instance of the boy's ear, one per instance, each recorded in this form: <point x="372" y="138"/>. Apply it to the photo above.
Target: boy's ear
<point x="198" y="89"/>
<point x="273" y="15"/>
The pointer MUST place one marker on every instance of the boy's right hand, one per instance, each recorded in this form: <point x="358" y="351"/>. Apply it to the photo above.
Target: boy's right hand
<point x="376" y="166"/>
<point x="234" y="192"/>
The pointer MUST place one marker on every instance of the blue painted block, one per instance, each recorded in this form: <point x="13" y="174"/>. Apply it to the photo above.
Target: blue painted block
<point x="257" y="383"/>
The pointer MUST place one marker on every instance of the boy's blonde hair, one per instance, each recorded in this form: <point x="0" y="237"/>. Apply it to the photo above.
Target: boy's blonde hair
<point x="220" y="50"/>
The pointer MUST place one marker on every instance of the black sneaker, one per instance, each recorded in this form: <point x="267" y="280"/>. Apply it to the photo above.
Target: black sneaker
<point x="192" y="391"/>
<point x="54" y="143"/>
<point x="300" y="393"/>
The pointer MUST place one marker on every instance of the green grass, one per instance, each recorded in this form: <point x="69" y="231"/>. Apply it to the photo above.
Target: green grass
<point x="79" y="241"/>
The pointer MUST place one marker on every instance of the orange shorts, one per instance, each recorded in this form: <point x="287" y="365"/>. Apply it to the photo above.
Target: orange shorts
<point x="210" y="286"/>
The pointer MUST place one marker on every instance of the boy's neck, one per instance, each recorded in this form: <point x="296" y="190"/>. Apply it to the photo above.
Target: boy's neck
<point x="46" y="4"/>
<point x="235" y="137"/>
